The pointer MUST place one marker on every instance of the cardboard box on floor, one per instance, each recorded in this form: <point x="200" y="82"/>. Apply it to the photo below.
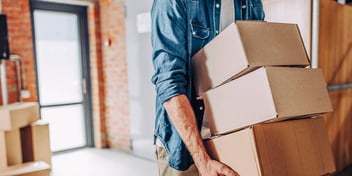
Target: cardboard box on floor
<point x="271" y="93"/>
<point x="18" y="115"/>
<point x="244" y="46"/>
<point x="289" y="148"/>
<point x="38" y="168"/>
<point x="10" y="148"/>
<point x="36" y="142"/>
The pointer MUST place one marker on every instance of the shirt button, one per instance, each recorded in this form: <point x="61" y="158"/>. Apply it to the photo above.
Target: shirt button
<point x="216" y="31"/>
<point x="201" y="108"/>
<point x="217" y="5"/>
<point x="244" y="6"/>
<point x="194" y="33"/>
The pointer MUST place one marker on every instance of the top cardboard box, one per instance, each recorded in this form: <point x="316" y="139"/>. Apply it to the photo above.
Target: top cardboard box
<point x="18" y="115"/>
<point x="245" y="46"/>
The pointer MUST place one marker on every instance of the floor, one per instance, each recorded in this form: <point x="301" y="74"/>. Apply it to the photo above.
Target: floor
<point x="144" y="148"/>
<point x="102" y="162"/>
<point x="105" y="162"/>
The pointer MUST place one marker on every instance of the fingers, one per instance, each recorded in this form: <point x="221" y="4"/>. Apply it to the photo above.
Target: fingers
<point x="226" y="171"/>
<point x="219" y="169"/>
<point x="229" y="172"/>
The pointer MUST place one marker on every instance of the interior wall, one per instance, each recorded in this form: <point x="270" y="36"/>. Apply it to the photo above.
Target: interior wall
<point x="335" y="58"/>
<point x="140" y="70"/>
<point x="20" y="42"/>
<point x="115" y="79"/>
<point x="292" y="11"/>
<point x="97" y="77"/>
<point x="108" y="64"/>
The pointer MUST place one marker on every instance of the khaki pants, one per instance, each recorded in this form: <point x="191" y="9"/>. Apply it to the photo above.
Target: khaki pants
<point x="166" y="170"/>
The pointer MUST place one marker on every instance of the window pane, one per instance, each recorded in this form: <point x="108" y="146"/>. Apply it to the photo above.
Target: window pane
<point x="66" y="124"/>
<point x="58" y="57"/>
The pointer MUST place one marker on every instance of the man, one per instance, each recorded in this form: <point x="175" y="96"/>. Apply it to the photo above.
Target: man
<point x="179" y="29"/>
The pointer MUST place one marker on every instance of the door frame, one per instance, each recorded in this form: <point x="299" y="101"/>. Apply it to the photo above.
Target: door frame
<point x="81" y="12"/>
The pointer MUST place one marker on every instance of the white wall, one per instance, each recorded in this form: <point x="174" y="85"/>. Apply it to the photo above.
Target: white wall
<point x="291" y="11"/>
<point x="140" y="70"/>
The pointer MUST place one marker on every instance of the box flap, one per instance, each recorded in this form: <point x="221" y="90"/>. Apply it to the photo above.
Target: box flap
<point x="3" y="158"/>
<point x="301" y="88"/>
<point x="295" y="147"/>
<point x="10" y="148"/>
<point x="39" y="123"/>
<point x="13" y="144"/>
<point x="272" y="44"/>
<point x="36" y="142"/>
<point x="41" y="142"/>
<point x="235" y="150"/>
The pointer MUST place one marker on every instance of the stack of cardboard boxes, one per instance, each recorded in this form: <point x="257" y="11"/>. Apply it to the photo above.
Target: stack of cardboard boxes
<point x="24" y="141"/>
<point x="260" y="100"/>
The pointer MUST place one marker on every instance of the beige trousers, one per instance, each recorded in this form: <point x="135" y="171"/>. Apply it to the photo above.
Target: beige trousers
<point x="166" y="170"/>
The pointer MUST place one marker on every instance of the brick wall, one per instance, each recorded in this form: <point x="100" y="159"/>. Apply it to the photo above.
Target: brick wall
<point x="107" y="63"/>
<point x="97" y="80"/>
<point x="115" y="73"/>
<point x="20" y="37"/>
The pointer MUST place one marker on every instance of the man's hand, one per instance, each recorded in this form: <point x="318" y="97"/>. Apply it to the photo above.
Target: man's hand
<point x="215" y="168"/>
<point x="182" y="116"/>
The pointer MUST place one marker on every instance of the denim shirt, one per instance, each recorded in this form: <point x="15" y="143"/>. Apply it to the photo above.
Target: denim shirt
<point x="179" y="29"/>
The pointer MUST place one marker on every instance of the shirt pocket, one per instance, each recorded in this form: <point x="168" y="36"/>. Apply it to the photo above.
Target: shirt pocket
<point x="200" y="34"/>
<point x="256" y="11"/>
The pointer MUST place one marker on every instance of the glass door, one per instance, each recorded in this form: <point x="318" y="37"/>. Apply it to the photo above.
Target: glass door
<point x="62" y="72"/>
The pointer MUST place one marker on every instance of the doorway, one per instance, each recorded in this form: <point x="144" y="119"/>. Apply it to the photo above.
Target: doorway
<point x="62" y="68"/>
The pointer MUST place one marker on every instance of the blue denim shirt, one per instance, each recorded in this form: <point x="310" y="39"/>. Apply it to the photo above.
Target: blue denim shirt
<point x="179" y="29"/>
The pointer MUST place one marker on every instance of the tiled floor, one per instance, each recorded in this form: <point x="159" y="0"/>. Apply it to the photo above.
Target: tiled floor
<point x="101" y="162"/>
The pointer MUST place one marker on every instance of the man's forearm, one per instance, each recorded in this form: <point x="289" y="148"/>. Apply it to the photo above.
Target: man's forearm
<point x="182" y="116"/>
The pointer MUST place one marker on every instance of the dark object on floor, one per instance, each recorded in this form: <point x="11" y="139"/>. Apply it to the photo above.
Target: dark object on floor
<point x="345" y="172"/>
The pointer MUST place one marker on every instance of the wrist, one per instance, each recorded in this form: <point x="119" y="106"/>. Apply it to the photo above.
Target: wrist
<point x="201" y="160"/>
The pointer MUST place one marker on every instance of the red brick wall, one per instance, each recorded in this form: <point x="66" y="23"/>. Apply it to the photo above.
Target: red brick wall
<point x="12" y="86"/>
<point x="115" y="73"/>
<point x="20" y="38"/>
<point x="97" y="79"/>
<point x="107" y="63"/>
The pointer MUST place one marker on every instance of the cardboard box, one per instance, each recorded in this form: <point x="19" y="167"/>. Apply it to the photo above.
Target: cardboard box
<point x="289" y="148"/>
<point x="271" y="93"/>
<point x="245" y="46"/>
<point x="38" y="168"/>
<point x="10" y="148"/>
<point x="36" y="142"/>
<point x="18" y="115"/>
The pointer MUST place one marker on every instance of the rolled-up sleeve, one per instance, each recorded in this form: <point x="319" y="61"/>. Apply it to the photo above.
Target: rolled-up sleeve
<point x="169" y="41"/>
